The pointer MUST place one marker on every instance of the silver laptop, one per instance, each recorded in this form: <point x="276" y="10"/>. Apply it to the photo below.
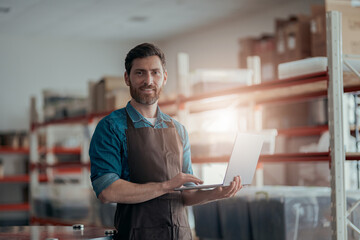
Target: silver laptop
<point x="243" y="161"/>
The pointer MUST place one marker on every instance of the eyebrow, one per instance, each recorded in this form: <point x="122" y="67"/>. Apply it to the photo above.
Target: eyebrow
<point x="141" y="69"/>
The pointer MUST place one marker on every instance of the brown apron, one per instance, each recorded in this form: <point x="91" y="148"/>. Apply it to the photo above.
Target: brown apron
<point x="154" y="155"/>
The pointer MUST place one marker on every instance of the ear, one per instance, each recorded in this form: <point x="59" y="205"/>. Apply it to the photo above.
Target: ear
<point x="127" y="79"/>
<point x="165" y="78"/>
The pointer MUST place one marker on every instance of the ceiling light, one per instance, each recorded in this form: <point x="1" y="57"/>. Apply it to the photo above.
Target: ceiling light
<point x="138" y="19"/>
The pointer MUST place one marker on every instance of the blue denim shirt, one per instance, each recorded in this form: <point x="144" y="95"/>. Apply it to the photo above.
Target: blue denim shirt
<point x="108" y="147"/>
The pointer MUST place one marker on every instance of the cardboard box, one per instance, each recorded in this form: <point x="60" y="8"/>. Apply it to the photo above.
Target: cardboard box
<point x="280" y="40"/>
<point x="117" y="99"/>
<point x="246" y="50"/>
<point x="59" y="104"/>
<point x="264" y="47"/>
<point x="293" y="38"/>
<point x="350" y="24"/>
<point x="107" y="98"/>
<point x="318" y="31"/>
<point x="92" y="104"/>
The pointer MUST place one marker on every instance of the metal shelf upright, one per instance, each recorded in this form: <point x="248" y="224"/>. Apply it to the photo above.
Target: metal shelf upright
<point x="335" y="96"/>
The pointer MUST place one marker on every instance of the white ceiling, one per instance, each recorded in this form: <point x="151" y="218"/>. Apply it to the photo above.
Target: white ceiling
<point x="119" y="19"/>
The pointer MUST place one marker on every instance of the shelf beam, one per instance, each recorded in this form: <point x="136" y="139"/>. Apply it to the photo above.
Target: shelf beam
<point x="10" y="150"/>
<point x="15" y="207"/>
<point x="303" y="131"/>
<point x="21" y="178"/>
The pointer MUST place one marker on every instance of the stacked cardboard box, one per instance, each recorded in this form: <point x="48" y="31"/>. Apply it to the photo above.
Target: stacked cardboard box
<point x="350" y="24"/>
<point x="60" y="105"/>
<point x="16" y="139"/>
<point x="108" y="94"/>
<point x="246" y="50"/>
<point x="292" y="38"/>
<point x="302" y="36"/>
<point x="264" y="47"/>
<point x="318" y="31"/>
<point x="350" y="27"/>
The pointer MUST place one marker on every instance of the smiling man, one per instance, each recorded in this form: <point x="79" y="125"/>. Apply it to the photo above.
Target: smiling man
<point x="139" y="155"/>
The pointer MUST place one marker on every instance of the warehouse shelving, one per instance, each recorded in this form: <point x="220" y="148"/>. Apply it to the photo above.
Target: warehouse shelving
<point x="17" y="178"/>
<point x="65" y="171"/>
<point x="323" y="84"/>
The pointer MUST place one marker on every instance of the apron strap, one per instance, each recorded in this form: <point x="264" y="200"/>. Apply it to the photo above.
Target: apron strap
<point x="130" y="123"/>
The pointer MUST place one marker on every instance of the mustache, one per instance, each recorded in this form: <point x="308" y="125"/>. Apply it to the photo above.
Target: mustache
<point x="145" y="86"/>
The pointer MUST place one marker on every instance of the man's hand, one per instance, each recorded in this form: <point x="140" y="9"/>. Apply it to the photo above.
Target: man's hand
<point x="122" y="191"/>
<point x="179" y="180"/>
<point x="194" y="197"/>
<point x="229" y="191"/>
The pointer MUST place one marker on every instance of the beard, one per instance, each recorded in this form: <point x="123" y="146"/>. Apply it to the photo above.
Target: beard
<point x="145" y="98"/>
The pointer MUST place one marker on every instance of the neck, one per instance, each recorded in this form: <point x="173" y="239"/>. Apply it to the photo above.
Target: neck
<point x="148" y="111"/>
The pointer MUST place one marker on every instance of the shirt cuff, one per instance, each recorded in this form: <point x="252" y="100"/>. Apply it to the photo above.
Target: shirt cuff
<point x="103" y="182"/>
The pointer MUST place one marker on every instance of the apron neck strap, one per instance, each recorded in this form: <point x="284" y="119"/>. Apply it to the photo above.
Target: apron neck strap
<point x="130" y="123"/>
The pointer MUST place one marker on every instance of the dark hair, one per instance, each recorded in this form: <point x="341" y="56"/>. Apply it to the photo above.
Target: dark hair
<point x="141" y="51"/>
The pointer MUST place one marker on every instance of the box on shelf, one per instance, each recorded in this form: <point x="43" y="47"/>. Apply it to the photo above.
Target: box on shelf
<point x="108" y="94"/>
<point x="264" y="47"/>
<point x="350" y="24"/>
<point x="34" y="116"/>
<point x="60" y="105"/>
<point x="350" y="27"/>
<point x="246" y="50"/>
<point x="14" y="139"/>
<point x="293" y="38"/>
<point x="318" y="31"/>
<point x="92" y="103"/>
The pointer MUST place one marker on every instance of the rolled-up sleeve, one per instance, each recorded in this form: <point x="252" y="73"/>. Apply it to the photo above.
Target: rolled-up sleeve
<point x="187" y="168"/>
<point x="105" y="156"/>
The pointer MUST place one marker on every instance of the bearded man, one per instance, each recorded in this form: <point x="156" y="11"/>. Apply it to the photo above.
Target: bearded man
<point x="139" y="155"/>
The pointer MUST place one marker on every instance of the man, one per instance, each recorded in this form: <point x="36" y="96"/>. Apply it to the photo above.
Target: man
<point x="139" y="155"/>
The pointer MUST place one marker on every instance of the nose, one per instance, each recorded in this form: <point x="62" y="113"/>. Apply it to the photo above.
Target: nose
<point x="149" y="78"/>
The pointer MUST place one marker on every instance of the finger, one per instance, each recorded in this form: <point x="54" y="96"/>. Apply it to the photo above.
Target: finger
<point x="229" y="190"/>
<point x="239" y="184"/>
<point x="192" y="178"/>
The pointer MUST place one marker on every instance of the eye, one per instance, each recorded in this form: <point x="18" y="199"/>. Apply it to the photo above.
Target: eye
<point x="139" y="73"/>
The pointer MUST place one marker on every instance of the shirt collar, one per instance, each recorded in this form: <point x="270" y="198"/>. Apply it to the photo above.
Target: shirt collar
<point x="135" y="116"/>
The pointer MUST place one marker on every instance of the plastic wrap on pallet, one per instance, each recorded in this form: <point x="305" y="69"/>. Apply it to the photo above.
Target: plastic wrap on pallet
<point x="273" y="212"/>
<point x="234" y="219"/>
<point x="294" y="213"/>
<point x="207" y="221"/>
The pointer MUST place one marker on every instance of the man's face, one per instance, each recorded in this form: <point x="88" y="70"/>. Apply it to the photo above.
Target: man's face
<point x="146" y="79"/>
